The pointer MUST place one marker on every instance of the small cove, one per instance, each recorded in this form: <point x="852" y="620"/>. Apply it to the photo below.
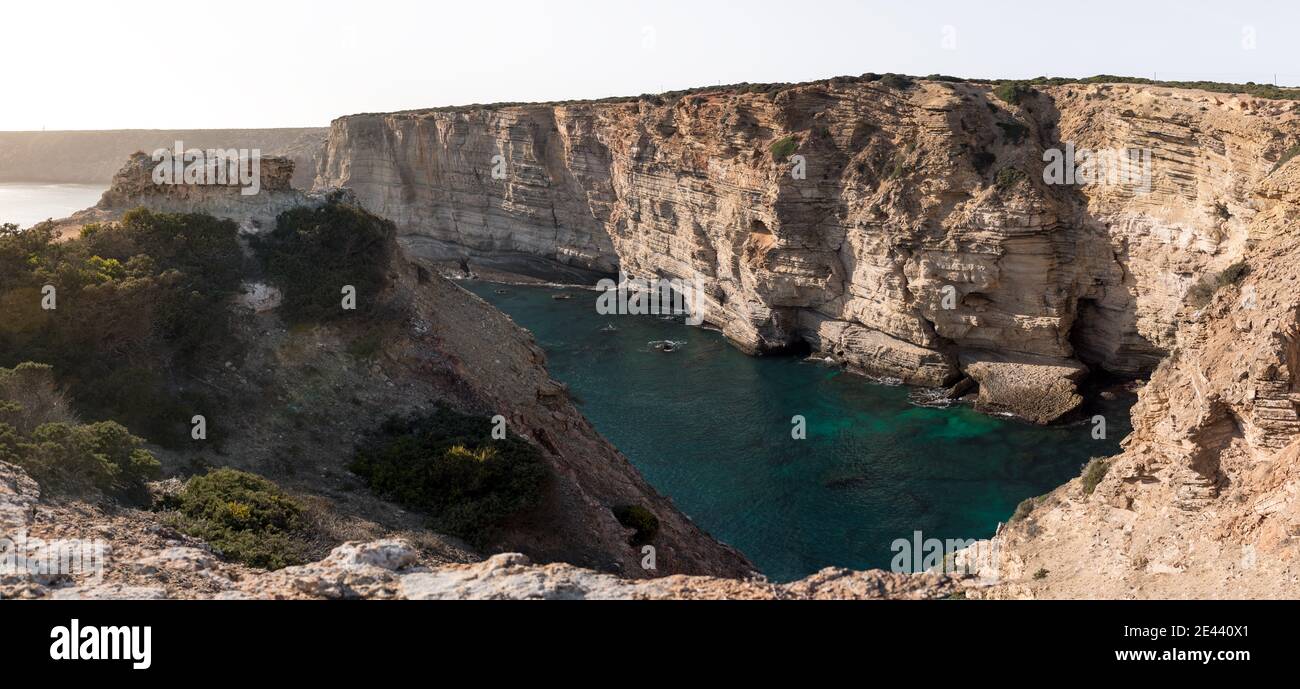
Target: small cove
<point x="711" y="427"/>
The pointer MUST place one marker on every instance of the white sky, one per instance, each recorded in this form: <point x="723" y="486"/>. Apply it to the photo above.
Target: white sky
<point x="101" y="64"/>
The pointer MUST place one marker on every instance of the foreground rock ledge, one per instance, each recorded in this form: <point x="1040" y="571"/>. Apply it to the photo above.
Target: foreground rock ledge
<point x="385" y="570"/>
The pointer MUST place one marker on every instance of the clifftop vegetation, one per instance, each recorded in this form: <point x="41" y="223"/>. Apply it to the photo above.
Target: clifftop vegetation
<point x="895" y="81"/>
<point x="129" y="314"/>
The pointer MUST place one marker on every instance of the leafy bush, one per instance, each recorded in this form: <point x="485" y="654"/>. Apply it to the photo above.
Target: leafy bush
<point x="1024" y="509"/>
<point x="33" y="397"/>
<point x="1093" y="473"/>
<point x="39" y="434"/>
<point x="245" y="517"/>
<point x="642" y="520"/>
<point x="1014" y="132"/>
<point x="896" y="81"/>
<point x="1009" y="177"/>
<point x="783" y="148"/>
<point x="447" y="465"/>
<point x="1042" y="573"/>
<point x="1013" y="92"/>
<point x="314" y="252"/>
<point x="140" y="307"/>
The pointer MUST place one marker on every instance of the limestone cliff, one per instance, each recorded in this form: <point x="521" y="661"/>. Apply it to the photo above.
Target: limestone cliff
<point x="901" y="193"/>
<point x="1205" y="499"/>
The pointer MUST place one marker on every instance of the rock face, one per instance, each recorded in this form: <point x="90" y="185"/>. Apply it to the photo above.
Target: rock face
<point x="1205" y="499"/>
<point x="134" y="187"/>
<point x="914" y="231"/>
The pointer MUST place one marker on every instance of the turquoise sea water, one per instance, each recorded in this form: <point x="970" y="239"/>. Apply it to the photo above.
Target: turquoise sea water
<point x="711" y="428"/>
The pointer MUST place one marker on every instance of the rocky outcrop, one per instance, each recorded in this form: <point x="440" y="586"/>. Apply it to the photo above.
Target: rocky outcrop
<point x="93" y="157"/>
<point x="134" y="187"/>
<point x="914" y="231"/>
<point x="1037" y="389"/>
<point x="1205" y="499"/>
<point x="438" y="345"/>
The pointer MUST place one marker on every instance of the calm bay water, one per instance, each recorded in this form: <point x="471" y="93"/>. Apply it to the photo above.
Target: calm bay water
<point x="711" y="428"/>
<point x="27" y="204"/>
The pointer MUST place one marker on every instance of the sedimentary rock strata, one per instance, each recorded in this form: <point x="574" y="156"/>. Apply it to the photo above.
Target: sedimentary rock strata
<point x="913" y="229"/>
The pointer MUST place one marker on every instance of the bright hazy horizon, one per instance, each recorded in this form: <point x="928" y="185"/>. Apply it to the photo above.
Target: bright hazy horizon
<point x="78" y="64"/>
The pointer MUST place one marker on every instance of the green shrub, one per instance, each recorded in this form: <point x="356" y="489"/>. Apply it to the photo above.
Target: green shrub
<point x="448" y="466"/>
<point x="79" y="459"/>
<point x="314" y="252"/>
<point x="642" y="520"/>
<point x="1008" y="177"/>
<point x="1014" y="132"/>
<point x="783" y="148"/>
<point x="33" y="397"/>
<point x="1041" y="573"/>
<point x="141" y="310"/>
<point x="39" y="434"/>
<point x="1013" y="92"/>
<point x="1093" y="473"/>
<point x="1024" y="509"/>
<point x="245" y="517"/>
<point x="896" y="81"/>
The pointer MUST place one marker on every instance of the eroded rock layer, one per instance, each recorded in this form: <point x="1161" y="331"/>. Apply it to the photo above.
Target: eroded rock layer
<point x="912" y="231"/>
